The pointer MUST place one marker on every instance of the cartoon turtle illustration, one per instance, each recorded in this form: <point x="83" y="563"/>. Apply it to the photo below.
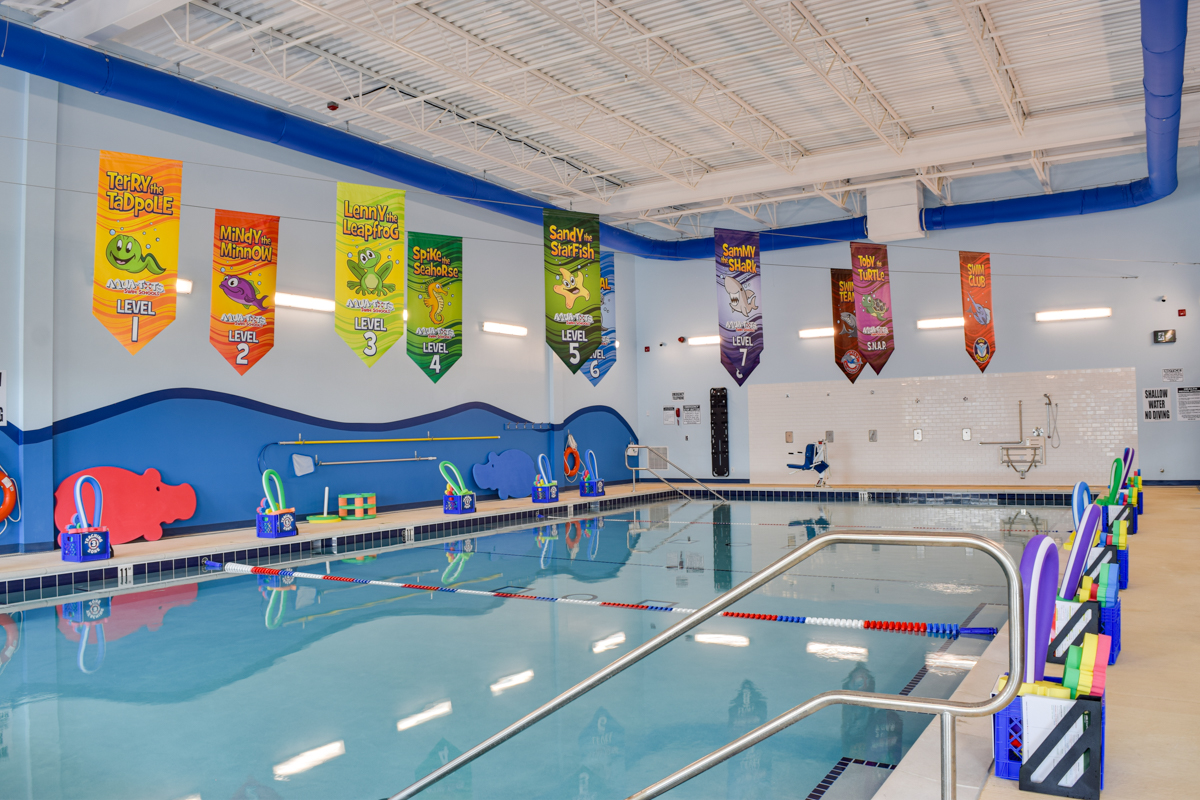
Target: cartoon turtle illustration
<point x="875" y="307"/>
<point x="369" y="274"/>
<point x="124" y="252"/>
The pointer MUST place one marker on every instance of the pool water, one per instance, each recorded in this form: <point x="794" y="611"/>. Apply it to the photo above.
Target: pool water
<point x="253" y="687"/>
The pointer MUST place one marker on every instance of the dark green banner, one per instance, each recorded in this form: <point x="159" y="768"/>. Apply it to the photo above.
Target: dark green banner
<point x="571" y="247"/>
<point x="435" y="283"/>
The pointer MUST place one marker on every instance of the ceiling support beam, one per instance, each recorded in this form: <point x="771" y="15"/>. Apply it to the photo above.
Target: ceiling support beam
<point x="1041" y="169"/>
<point x="98" y="20"/>
<point x="991" y="53"/>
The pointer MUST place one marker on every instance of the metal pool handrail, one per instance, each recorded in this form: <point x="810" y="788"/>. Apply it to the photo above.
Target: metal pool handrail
<point x="633" y="448"/>
<point x="948" y="710"/>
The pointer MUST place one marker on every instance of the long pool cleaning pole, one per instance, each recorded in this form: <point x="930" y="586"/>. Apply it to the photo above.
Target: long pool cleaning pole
<point x="920" y="628"/>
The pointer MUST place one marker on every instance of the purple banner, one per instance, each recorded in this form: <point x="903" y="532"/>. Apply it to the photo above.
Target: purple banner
<point x="738" y="312"/>
<point x="872" y="303"/>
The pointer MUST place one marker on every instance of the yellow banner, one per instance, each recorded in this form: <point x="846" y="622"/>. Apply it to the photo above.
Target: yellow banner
<point x="137" y="246"/>
<point x="242" y="317"/>
<point x="369" y="269"/>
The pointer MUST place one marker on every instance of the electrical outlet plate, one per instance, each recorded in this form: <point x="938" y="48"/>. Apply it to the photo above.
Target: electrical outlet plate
<point x="966" y="434"/>
<point x="916" y="434"/>
<point x="872" y="436"/>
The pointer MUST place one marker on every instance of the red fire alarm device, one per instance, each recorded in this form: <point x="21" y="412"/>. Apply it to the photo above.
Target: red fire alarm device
<point x="1183" y="312"/>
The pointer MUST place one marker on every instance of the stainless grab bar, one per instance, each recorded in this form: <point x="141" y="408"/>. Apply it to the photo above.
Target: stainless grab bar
<point x="1020" y="426"/>
<point x="946" y="709"/>
<point x="635" y="447"/>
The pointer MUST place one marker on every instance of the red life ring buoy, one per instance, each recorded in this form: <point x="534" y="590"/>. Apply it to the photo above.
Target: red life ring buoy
<point x="571" y="468"/>
<point x="9" y="487"/>
<point x="12" y="638"/>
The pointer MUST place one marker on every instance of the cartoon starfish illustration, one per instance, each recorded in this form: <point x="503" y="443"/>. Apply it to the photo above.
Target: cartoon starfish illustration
<point x="369" y="280"/>
<point x="124" y="252"/>
<point x="572" y="287"/>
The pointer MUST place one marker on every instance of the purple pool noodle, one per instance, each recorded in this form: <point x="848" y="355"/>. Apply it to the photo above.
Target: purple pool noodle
<point x="1127" y="457"/>
<point x="1039" y="568"/>
<point x="1079" y="552"/>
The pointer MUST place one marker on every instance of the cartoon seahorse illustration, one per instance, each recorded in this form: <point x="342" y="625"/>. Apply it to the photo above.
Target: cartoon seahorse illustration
<point x="741" y="299"/>
<point x="572" y="287"/>
<point x="435" y="301"/>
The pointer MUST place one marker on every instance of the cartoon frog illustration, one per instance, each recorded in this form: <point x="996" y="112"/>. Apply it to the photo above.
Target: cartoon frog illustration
<point x="875" y="307"/>
<point x="124" y="252"/>
<point x="435" y="301"/>
<point x="572" y="287"/>
<point x="369" y="274"/>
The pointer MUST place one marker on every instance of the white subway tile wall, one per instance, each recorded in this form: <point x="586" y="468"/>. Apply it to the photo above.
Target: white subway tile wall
<point x="1097" y="419"/>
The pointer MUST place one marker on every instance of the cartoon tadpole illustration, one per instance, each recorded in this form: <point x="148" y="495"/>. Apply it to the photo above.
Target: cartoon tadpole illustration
<point x="875" y="307"/>
<point x="435" y="301"/>
<point x="741" y="299"/>
<point x="369" y="274"/>
<point x="982" y="315"/>
<point x="240" y="290"/>
<point x="124" y="252"/>
<point x="572" y="287"/>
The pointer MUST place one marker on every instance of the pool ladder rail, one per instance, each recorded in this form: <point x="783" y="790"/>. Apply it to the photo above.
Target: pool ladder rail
<point x="633" y="450"/>
<point x="947" y="710"/>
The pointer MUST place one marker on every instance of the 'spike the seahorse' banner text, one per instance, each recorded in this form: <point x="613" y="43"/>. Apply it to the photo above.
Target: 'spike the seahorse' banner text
<point x="242" y="309"/>
<point x="435" y="292"/>
<point x="738" y="290"/>
<point x="845" y="325"/>
<point x="606" y="354"/>
<point x="975" y="270"/>
<point x="369" y="308"/>
<point x="872" y="303"/>
<point x="135" y="265"/>
<point x="571" y="254"/>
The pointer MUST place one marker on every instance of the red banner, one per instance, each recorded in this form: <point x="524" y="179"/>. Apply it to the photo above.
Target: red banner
<point x="975" y="271"/>
<point x="845" y="326"/>
<point x="242" y="317"/>
<point x="872" y="303"/>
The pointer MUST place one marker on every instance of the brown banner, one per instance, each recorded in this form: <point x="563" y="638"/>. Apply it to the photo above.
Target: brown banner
<point x="872" y="303"/>
<point x="845" y="326"/>
<point x="975" y="271"/>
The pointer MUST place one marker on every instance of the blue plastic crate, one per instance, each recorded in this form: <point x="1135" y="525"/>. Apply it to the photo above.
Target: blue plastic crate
<point x="275" y="524"/>
<point x="1009" y="732"/>
<point x="1110" y="625"/>
<point x="545" y="494"/>
<point x="85" y="544"/>
<point x="591" y="488"/>
<point x="1123" y="561"/>
<point x="459" y="503"/>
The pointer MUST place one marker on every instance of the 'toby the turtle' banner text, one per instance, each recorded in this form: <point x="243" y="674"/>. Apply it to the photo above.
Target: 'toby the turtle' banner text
<point x="369" y="306"/>
<point x="135" y="265"/>
<point x="606" y="354"/>
<point x="845" y="324"/>
<point x="872" y="303"/>
<point x="979" y="331"/>
<point x="435" y="294"/>
<point x="571" y="254"/>
<point x="739" y="315"/>
<point x="242" y="309"/>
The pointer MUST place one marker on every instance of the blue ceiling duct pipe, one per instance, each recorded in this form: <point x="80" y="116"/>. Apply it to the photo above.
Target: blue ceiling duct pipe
<point x="32" y="51"/>
<point x="1164" y="33"/>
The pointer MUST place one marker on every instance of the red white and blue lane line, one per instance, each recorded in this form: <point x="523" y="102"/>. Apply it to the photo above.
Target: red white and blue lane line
<point x="917" y="628"/>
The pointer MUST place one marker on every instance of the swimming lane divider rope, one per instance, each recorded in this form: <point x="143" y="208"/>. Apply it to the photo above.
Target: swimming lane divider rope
<point x="919" y="628"/>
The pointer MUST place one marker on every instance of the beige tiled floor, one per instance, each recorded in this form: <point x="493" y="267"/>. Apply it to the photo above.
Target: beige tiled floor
<point x="1153" y="726"/>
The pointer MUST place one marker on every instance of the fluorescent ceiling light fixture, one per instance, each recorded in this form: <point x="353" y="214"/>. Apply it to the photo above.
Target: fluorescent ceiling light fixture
<point x="837" y="652"/>
<point x="617" y="343"/>
<point x="183" y="286"/>
<point x="308" y="759"/>
<point x="511" y="680"/>
<point x="442" y="709"/>
<point x="941" y="322"/>
<point x="507" y="330"/>
<point x="695" y="340"/>
<point x="816" y="333"/>
<point x="300" y="301"/>
<point x="727" y="639"/>
<point x="609" y="642"/>
<point x="1075" y="313"/>
<point x="950" y="661"/>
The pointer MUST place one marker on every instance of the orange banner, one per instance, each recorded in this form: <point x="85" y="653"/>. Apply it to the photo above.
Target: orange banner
<point x="242" y="319"/>
<point x="975" y="271"/>
<point x="135" y="263"/>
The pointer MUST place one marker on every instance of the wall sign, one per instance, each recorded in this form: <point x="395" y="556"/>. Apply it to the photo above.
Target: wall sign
<point x="1187" y="405"/>
<point x="1156" y="405"/>
<point x="241" y="324"/>
<point x="677" y="396"/>
<point x="368" y="299"/>
<point x="739" y="288"/>
<point x="1164" y="337"/>
<point x="606" y="354"/>
<point x="1172" y="376"/>
<point x="873" y="303"/>
<point x="691" y="415"/>
<point x="669" y="417"/>
<point x="845" y="324"/>
<point x="975" y="271"/>
<point x="435" y="293"/>
<point x="136" y="256"/>
<point x="571" y="257"/>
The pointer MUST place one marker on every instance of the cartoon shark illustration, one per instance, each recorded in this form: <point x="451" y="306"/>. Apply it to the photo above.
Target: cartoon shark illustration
<point x="741" y="299"/>
<point x="240" y="290"/>
<point x="849" y="323"/>
<point x="982" y="315"/>
<point x="572" y="287"/>
<point x="124" y="252"/>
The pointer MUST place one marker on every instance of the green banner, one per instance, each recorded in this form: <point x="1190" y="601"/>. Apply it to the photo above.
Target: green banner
<point x="571" y="248"/>
<point x="369" y="305"/>
<point x="435" y="280"/>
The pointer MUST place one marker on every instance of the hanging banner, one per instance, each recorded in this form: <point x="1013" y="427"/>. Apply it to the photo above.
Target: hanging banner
<point x="845" y="325"/>
<point x="872" y="303"/>
<point x="369" y="302"/>
<point x="571" y="254"/>
<point x="135" y="264"/>
<point x="241" y="321"/>
<point x="975" y="271"/>
<point x="606" y="354"/>
<point x="435" y="291"/>
<point x="738" y="312"/>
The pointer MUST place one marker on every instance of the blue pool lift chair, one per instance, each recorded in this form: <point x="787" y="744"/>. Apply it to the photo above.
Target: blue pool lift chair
<point x="814" y="459"/>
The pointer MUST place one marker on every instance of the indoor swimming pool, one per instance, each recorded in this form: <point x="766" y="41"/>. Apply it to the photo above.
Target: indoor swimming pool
<point x="289" y="689"/>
